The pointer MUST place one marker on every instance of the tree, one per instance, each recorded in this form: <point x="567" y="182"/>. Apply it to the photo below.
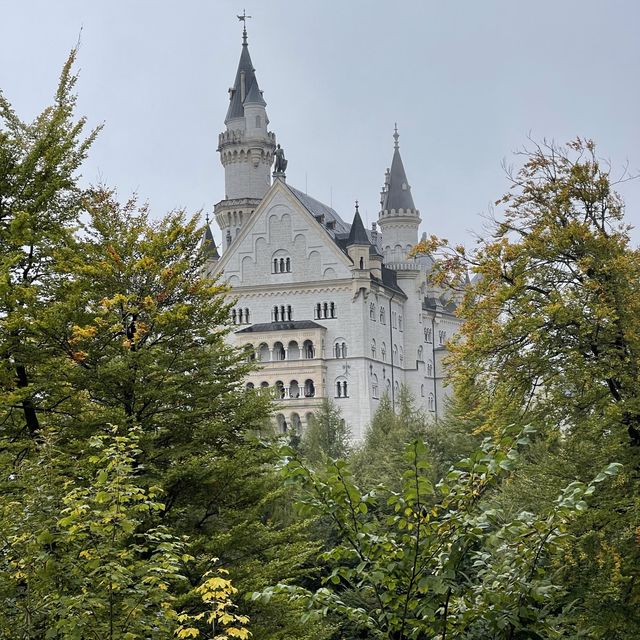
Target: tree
<point x="40" y="205"/>
<point x="381" y="455"/>
<point x="77" y="563"/>
<point x="551" y="338"/>
<point x="327" y="435"/>
<point x="115" y="322"/>
<point x="442" y="564"/>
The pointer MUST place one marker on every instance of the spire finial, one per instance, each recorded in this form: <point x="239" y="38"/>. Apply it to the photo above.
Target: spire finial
<point x="396" y="135"/>
<point x="356" y="206"/>
<point x="206" y="217"/>
<point x="243" y="19"/>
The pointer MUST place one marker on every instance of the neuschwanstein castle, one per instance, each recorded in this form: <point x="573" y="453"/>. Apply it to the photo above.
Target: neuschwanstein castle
<point x="331" y="309"/>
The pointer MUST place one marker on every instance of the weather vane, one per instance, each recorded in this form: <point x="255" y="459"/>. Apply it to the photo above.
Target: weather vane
<point x="243" y="18"/>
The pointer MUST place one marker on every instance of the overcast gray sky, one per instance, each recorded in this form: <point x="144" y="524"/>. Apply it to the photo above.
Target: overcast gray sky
<point x="467" y="82"/>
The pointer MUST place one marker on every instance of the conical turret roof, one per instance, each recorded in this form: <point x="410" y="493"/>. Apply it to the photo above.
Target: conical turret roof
<point x="252" y="91"/>
<point x="357" y="233"/>
<point x="397" y="194"/>
<point x="209" y="244"/>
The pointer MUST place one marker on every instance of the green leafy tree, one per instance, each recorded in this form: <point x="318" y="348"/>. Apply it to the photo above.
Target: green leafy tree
<point x="441" y="564"/>
<point x="92" y="570"/>
<point x="327" y="435"/>
<point x="551" y="338"/>
<point x="381" y="455"/>
<point x="40" y="205"/>
<point x="108" y="318"/>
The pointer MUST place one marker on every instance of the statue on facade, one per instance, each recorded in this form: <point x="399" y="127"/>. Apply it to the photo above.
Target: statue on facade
<point x="280" y="162"/>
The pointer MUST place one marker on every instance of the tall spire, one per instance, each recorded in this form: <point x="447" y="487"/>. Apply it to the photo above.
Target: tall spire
<point x="397" y="194"/>
<point x="357" y="233"/>
<point x="245" y="87"/>
<point x="209" y="248"/>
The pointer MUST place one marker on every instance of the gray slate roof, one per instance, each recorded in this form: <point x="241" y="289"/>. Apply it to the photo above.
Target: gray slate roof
<point x="341" y="232"/>
<point x="209" y="245"/>
<point x="281" y="326"/>
<point x="398" y="194"/>
<point x="236" y="106"/>
<point x="317" y="209"/>
<point x="357" y="233"/>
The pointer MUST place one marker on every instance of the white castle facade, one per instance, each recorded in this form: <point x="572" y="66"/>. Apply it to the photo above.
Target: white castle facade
<point x="331" y="309"/>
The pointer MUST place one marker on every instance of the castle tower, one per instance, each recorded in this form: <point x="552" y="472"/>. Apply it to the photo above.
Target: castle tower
<point x="399" y="219"/>
<point x="246" y="150"/>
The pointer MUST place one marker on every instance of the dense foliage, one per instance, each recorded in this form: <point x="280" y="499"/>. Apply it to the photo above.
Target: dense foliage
<point x="140" y="491"/>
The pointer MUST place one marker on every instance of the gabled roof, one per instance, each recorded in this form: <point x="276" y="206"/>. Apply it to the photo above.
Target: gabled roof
<point x="397" y="194"/>
<point x="236" y="105"/>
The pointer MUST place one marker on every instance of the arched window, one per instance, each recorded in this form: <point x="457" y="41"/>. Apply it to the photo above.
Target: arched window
<point x="374" y="386"/>
<point x="325" y="310"/>
<point x="361" y="262"/>
<point x="382" y="316"/>
<point x="430" y="368"/>
<point x="264" y="353"/>
<point x="293" y="351"/>
<point x="383" y="352"/>
<point x="250" y="385"/>
<point x="276" y="314"/>
<point x="281" y="262"/>
<point x="317" y="311"/>
<point x="372" y="312"/>
<point x="283" y="317"/>
<point x="246" y="316"/>
<point x="279" y="386"/>
<point x="309" y="389"/>
<point x="340" y="348"/>
<point x="333" y="309"/>
<point x="240" y="315"/>
<point x="431" y="402"/>
<point x="422" y="390"/>
<point x="400" y="322"/>
<point x="296" y="423"/>
<point x="442" y="335"/>
<point x="289" y="316"/>
<point x="281" y="422"/>
<point x="294" y="389"/>
<point x="395" y="353"/>
<point x="428" y="335"/>
<point x="234" y="318"/>
<point x="373" y="348"/>
<point x="278" y="351"/>
<point x="341" y="388"/>
<point x="258" y="122"/>
<point x="420" y="353"/>
<point x="308" y="350"/>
